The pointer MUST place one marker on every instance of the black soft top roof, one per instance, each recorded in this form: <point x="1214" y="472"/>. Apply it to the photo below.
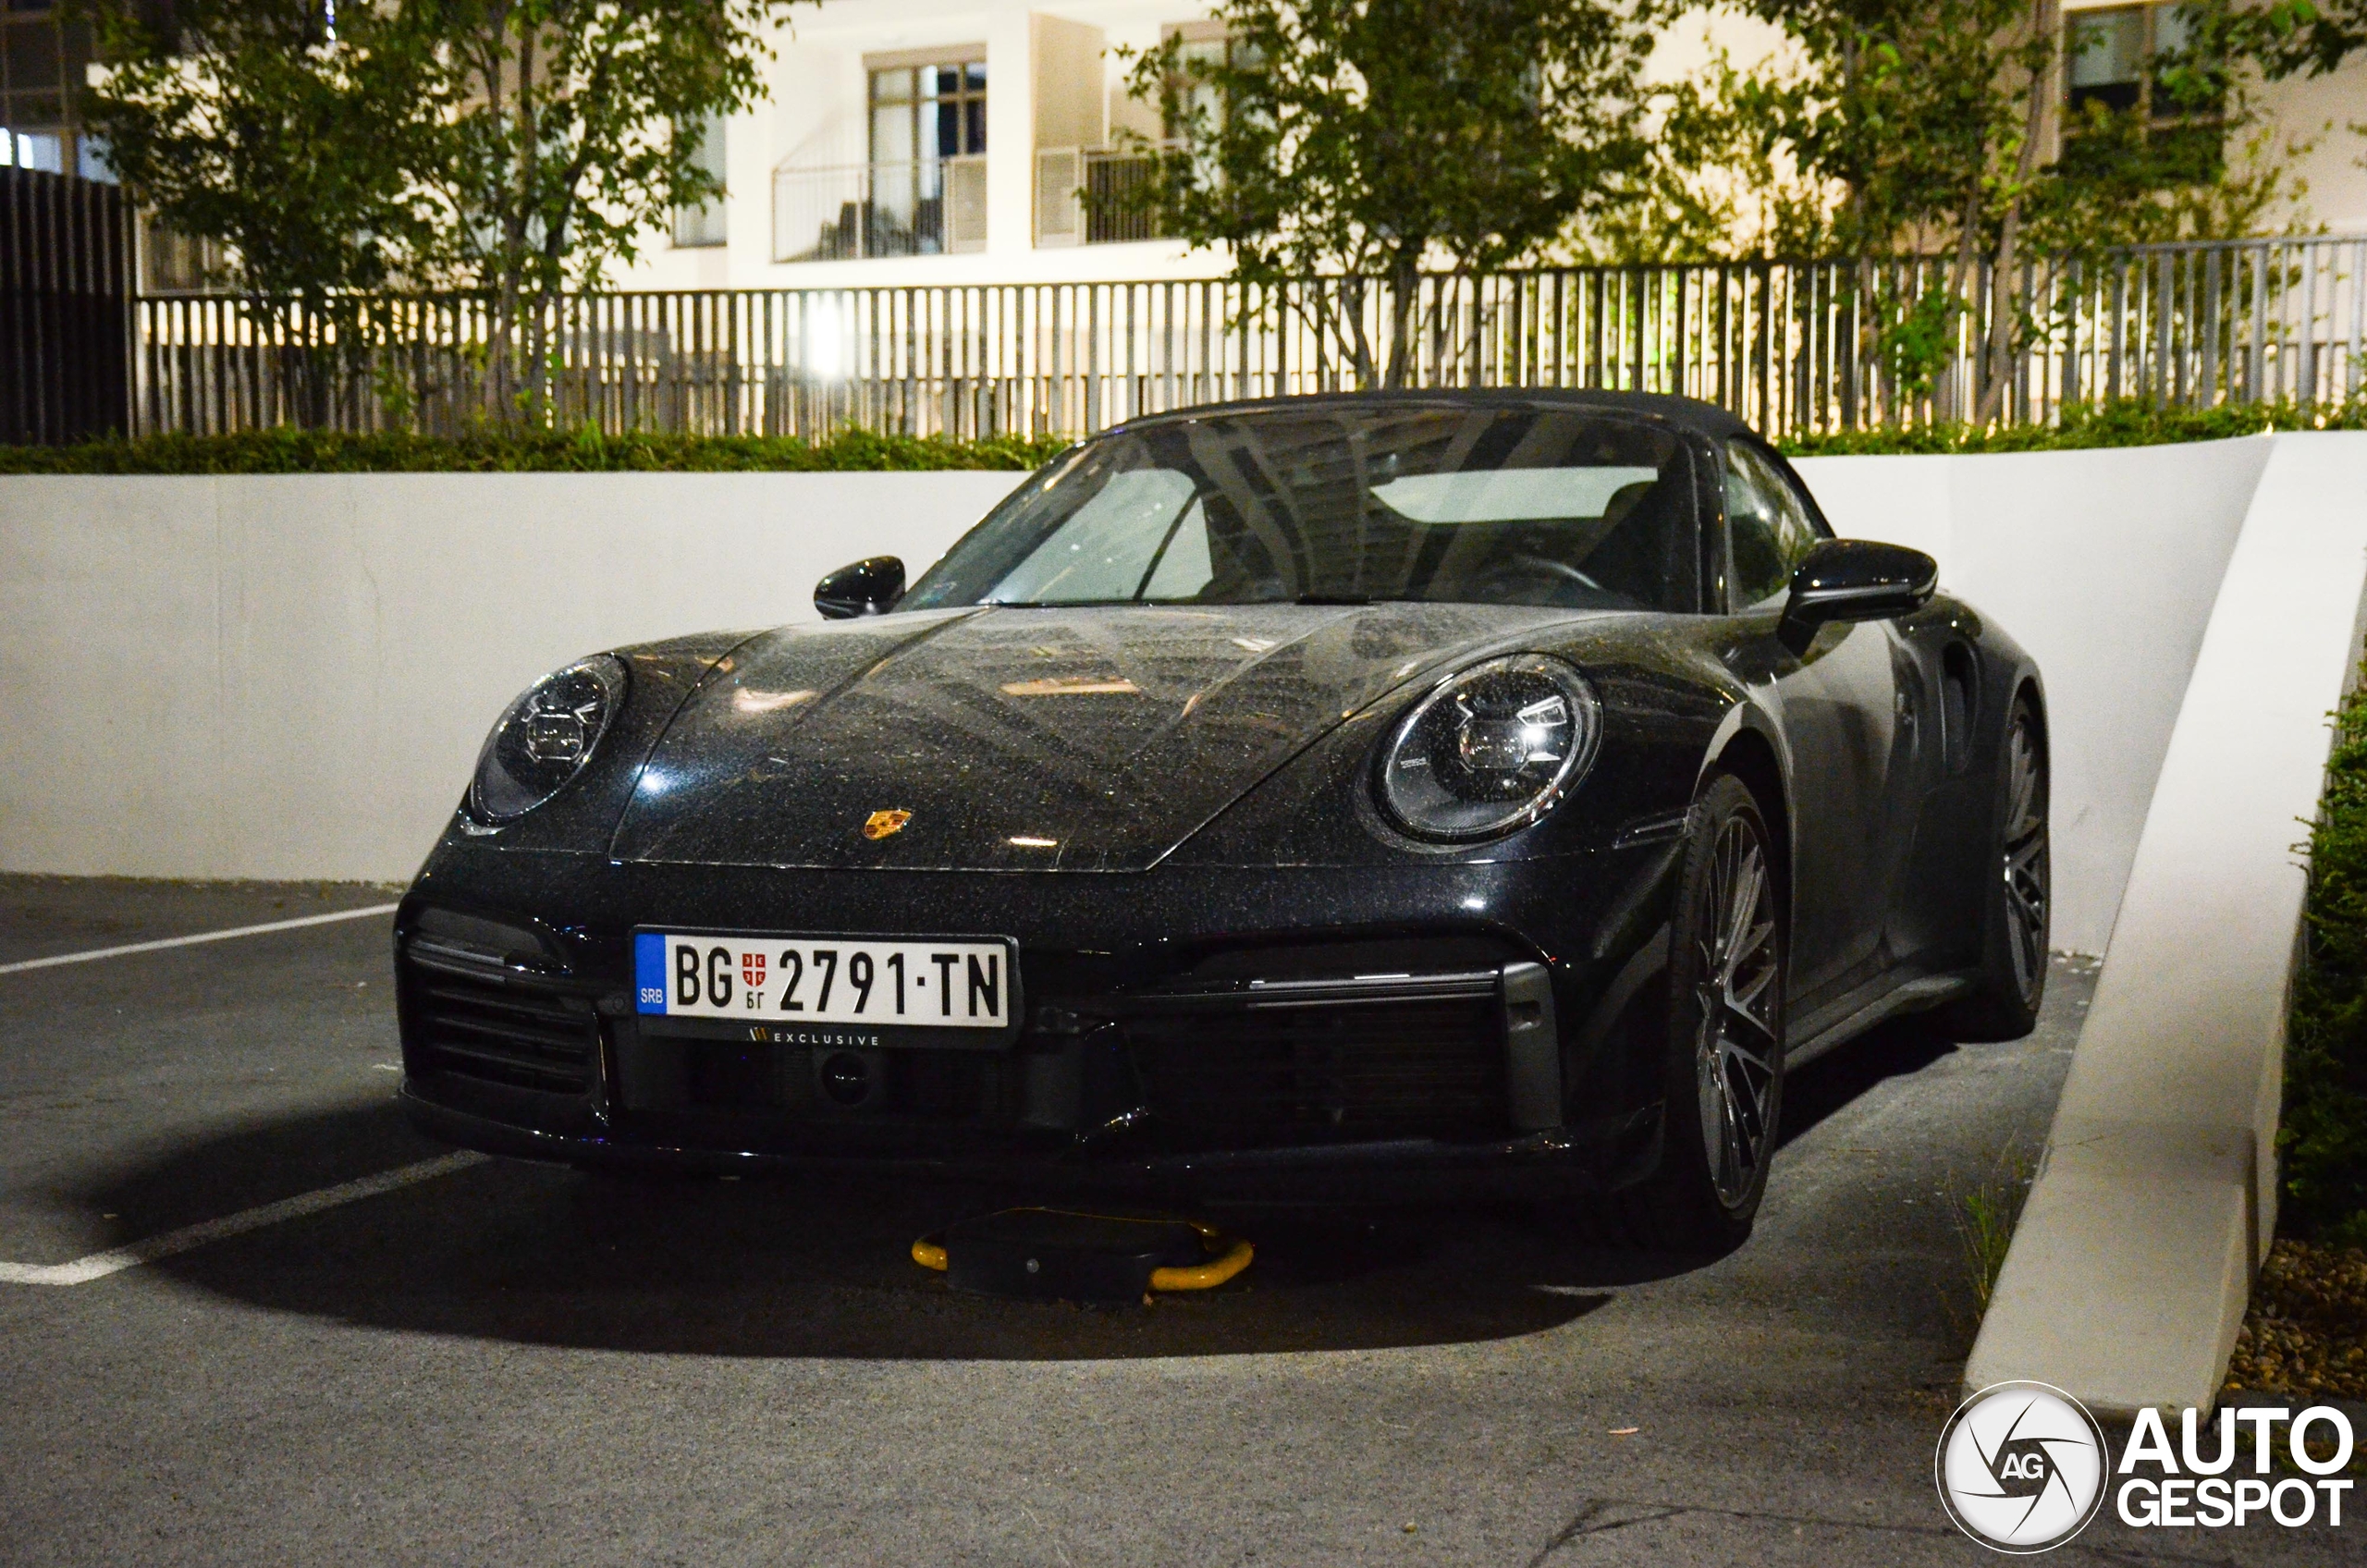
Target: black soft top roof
<point x="1686" y="413"/>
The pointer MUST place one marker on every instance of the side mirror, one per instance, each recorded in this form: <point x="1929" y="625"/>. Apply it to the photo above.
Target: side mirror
<point x="1854" y="580"/>
<point x="868" y="587"/>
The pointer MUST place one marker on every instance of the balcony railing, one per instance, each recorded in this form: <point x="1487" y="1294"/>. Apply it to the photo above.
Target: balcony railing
<point x="855" y="210"/>
<point x="1089" y="196"/>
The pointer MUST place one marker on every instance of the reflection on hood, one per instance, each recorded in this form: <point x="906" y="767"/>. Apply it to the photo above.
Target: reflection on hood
<point x="1084" y="738"/>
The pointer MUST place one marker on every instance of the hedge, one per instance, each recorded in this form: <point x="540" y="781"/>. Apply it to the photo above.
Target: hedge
<point x="2323" y="1143"/>
<point x="286" y="451"/>
<point x="2131" y="423"/>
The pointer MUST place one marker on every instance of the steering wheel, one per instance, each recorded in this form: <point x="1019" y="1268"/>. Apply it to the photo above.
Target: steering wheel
<point x="1513" y="569"/>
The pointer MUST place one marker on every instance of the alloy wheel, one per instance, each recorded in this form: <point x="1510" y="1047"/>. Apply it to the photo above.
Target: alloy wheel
<point x="2025" y="856"/>
<point x="1740" y="1049"/>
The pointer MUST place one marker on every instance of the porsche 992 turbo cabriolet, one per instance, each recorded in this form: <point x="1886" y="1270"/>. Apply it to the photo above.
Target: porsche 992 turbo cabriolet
<point x="1307" y="800"/>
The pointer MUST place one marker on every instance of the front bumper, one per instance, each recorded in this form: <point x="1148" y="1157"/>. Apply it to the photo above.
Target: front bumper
<point x="1537" y="1166"/>
<point x="1297" y="1035"/>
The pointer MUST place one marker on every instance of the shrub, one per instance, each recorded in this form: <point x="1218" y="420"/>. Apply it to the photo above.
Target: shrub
<point x="287" y="450"/>
<point x="2131" y="421"/>
<point x="2323" y="1144"/>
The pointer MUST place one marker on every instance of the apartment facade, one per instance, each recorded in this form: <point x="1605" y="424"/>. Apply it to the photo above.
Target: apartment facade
<point x="945" y="141"/>
<point x="2107" y="48"/>
<point x="925" y="142"/>
<point x="933" y="142"/>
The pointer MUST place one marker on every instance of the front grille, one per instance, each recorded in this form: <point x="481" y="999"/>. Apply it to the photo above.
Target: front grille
<point x="500" y="1027"/>
<point x="1331" y="1072"/>
<point x="741" y="1079"/>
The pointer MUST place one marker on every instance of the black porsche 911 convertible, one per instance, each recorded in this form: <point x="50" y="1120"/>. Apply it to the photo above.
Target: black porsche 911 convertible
<point x="1308" y="801"/>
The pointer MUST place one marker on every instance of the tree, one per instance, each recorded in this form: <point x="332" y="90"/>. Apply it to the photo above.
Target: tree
<point x="568" y="134"/>
<point x="2282" y="37"/>
<point x="2123" y="183"/>
<point x="1722" y="185"/>
<point x="1925" y="118"/>
<point x="1368" y="140"/>
<point x="1920" y="126"/>
<point x="245" y="122"/>
<point x="514" y="146"/>
<point x="1903" y="107"/>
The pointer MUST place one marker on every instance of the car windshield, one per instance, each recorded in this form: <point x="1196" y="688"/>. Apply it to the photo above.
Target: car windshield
<point x="1479" y="504"/>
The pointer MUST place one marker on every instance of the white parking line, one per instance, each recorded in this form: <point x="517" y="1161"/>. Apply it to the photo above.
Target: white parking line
<point x="99" y="1264"/>
<point x="192" y="941"/>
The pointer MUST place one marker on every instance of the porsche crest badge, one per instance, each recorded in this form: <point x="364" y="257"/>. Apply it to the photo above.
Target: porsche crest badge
<point x="882" y="823"/>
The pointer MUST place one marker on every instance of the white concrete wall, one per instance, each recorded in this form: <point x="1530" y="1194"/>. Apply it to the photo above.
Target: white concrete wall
<point x="2128" y="1274"/>
<point x="2103" y="565"/>
<point x="289" y="676"/>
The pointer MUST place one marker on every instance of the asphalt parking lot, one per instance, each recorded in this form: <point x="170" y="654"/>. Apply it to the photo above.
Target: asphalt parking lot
<point x="509" y="1363"/>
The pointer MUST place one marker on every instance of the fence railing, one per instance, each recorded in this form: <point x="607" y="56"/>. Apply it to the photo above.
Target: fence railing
<point x="66" y="289"/>
<point x="924" y="207"/>
<point x="1093" y="196"/>
<point x="1788" y="347"/>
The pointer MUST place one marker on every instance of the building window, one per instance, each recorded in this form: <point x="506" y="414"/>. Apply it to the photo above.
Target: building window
<point x="2115" y="58"/>
<point x="44" y="53"/>
<point x="705" y="225"/>
<point x="2105" y="57"/>
<point x="928" y="171"/>
<point x="2125" y="119"/>
<point x="925" y="113"/>
<point x="43" y="151"/>
<point x="922" y="192"/>
<point x="1201" y="46"/>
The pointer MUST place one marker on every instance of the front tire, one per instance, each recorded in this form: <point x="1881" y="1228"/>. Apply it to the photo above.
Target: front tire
<point x="2017" y="895"/>
<point x="1724" y="1088"/>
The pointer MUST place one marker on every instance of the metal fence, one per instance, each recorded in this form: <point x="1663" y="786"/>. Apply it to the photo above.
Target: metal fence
<point x="1790" y="348"/>
<point x="1095" y="196"/>
<point x="66" y="287"/>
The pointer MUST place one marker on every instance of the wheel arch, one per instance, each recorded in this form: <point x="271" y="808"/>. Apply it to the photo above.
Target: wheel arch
<point x="2007" y="674"/>
<point x="1750" y="756"/>
<point x="2026" y="686"/>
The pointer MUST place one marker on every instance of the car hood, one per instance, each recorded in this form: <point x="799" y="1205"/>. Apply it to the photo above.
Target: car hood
<point x="1089" y="739"/>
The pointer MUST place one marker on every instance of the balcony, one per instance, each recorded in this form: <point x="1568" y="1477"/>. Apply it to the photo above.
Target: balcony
<point x="854" y="212"/>
<point x="1084" y="196"/>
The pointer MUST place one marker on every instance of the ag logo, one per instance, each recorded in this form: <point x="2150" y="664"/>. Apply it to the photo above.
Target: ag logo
<point x="882" y="823"/>
<point x="2021" y="1467"/>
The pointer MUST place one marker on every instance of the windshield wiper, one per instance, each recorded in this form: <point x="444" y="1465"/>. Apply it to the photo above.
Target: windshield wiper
<point x="1334" y="599"/>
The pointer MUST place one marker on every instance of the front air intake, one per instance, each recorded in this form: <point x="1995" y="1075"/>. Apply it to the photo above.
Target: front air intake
<point x="474" y="1013"/>
<point x="1333" y="1066"/>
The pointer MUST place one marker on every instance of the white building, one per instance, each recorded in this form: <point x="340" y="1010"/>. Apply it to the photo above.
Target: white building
<point x="927" y="142"/>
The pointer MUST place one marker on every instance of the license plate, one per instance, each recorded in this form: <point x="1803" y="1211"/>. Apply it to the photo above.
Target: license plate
<point x="783" y="983"/>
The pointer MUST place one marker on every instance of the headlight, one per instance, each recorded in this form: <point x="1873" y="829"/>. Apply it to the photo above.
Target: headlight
<point x="1490" y="748"/>
<point x="546" y="738"/>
